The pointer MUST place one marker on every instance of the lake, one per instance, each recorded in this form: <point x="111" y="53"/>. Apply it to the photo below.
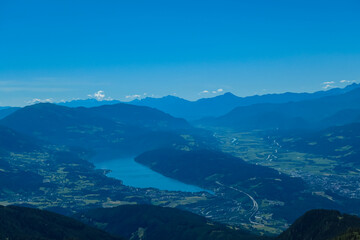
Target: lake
<point x="136" y="175"/>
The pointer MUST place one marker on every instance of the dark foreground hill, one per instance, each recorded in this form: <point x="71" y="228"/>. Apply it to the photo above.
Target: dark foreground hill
<point x="160" y="223"/>
<point x="323" y="225"/>
<point x="21" y="223"/>
<point x="150" y="222"/>
<point x="351" y="234"/>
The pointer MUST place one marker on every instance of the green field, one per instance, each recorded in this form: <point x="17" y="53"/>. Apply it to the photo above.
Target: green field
<point x="254" y="148"/>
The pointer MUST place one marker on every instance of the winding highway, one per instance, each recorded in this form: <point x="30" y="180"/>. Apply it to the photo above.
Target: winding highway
<point x="255" y="207"/>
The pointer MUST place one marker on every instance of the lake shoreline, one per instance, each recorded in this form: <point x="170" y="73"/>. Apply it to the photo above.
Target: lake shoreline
<point x="134" y="174"/>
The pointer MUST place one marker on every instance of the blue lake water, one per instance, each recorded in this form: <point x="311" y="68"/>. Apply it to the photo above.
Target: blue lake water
<point x="136" y="175"/>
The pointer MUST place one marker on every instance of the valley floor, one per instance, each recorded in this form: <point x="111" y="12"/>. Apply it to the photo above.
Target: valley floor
<point x="259" y="148"/>
<point x="72" y="187"/>
<point x="320" y="173"/>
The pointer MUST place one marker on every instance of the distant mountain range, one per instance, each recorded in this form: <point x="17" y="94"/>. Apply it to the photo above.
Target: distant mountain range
<point x="220" y="105"/>
<point x="316" y="113"/>
<point x="212" y="107"/>
<point x="204" y="107"/>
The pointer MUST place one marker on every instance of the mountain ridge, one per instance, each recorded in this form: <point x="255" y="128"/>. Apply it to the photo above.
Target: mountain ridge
<point x="126" y="128"/>
<point x="212" y="106"/>
<point x="302" y="114"/>
<point x="222" y="104"/>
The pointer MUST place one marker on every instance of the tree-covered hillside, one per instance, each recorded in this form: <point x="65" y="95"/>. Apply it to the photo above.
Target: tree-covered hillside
<point x="21" y="223"/>
<point x="123" y="128"/>
<point x="322" y="225"/>
<point x="158" y="223"/>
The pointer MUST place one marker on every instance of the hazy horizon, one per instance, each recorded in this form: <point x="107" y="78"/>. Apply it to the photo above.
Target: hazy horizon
<point x="102" y="96"/>
<point x="66" y="50"/>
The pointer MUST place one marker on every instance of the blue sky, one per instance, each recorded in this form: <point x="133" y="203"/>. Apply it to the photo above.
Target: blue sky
<point x="62" y="49"/>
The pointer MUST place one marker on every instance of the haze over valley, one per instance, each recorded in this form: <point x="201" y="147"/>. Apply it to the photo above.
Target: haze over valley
<point x="179" y="120"/>
<point x="258" y="171"/>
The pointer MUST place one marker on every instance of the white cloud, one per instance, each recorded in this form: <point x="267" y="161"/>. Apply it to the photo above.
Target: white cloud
<point x="135" y="96"/>
<point x="38" y="100"/>
<point x="203" y="92"/>
<point x="100" y="96"/>
<point x="328" y="83"/>
<point x="347" y="81"/>
<point x="138" y="96"/>
<point x="212" y="91"/>
<point x="328" y="86"/>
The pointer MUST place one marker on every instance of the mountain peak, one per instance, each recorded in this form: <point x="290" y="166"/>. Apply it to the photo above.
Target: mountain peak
<point x="229" y="94"/>
<point x="225" y="96"/>
<point x="153" y="102"/>
<point x="170" y="96"/>
<point x="352" y="86"/>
